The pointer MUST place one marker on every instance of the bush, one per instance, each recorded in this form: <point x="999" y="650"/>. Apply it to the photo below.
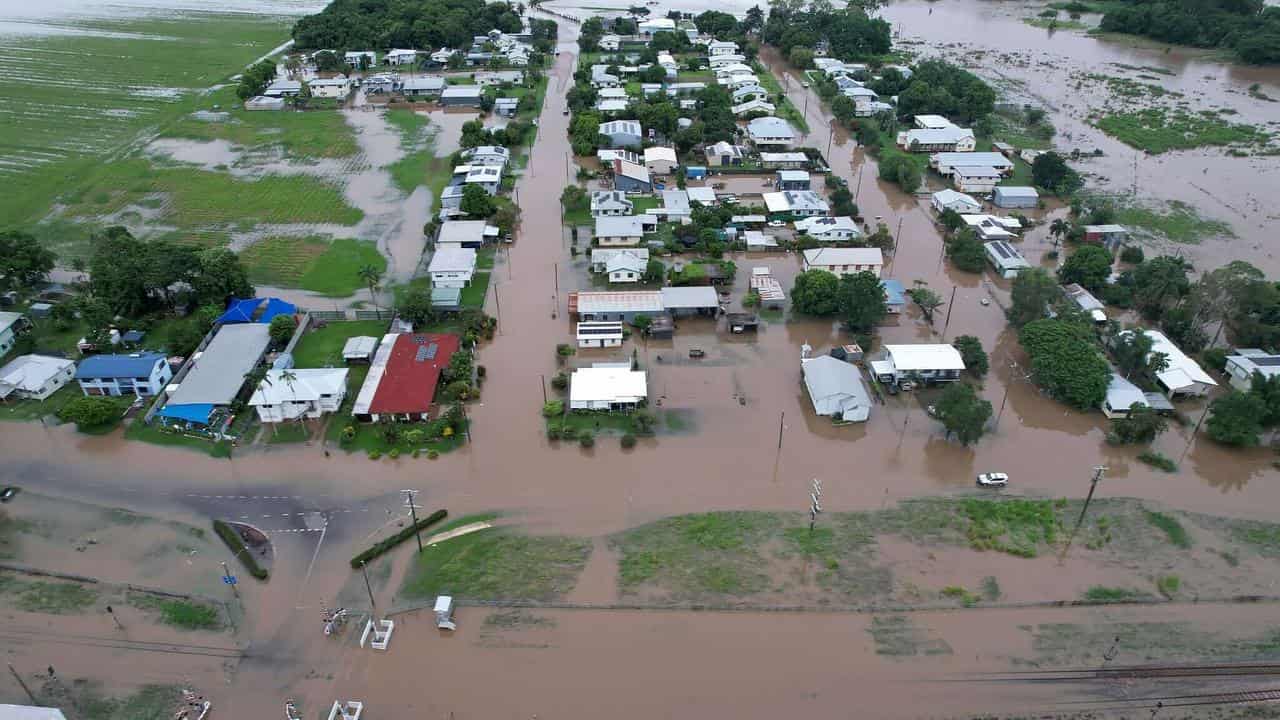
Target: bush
<point x="586" y="438"/>
<point x="628" y="441"/>
<point x="1158" y="461"/>
<point x="348" y="434"/>
<point x="394" y="453"/>
<point x="236" y="544"/>
<point x="560" y="381"/>
<point x="1168" y="585"/>
<point x="553" y="408"/>
<point x="1131" y="254"/>
<point x="432" y="454"/>
<point x="1216" y="358"/>
<point x="564" y="350"/>
<point x="553" y="432"/>
<point x="385" y="545"/>
<point x="375" y="454"/>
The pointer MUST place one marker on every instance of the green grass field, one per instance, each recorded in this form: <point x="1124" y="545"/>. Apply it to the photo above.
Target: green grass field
<point x="419" y="164"/>
<point x="498" y="564"/>
<point x="322" y="347"/>
<point x="324" y="266"/>
<point x="73" y="99"/>
<point x="1158" y="130"/>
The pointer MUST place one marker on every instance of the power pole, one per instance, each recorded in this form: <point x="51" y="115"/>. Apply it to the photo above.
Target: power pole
<point x="781" y="419"/>
<point x="1192" y="438"/>
<point x="1013" y="367"/>
<point x="114" y="619"/>
<point x="413" y="512"/>
<point x="947" y="323"/>
<point x="369" y="588"/>
<point x="1098" y="471"/>
<point x="23" y="683"/>
<point x="498" y="304"/>
<point x="815" y="507"/>
<point x="544" y="389"/>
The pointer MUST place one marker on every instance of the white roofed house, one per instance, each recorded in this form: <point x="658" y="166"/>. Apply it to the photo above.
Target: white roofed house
<point x="623" y="133"/>
<point x="601" y="257"/>
<point x="606" y="203"/>
<point x="863" y="99"/>
<point x="423" y="86"/>
<point x="920" y="363"/>
<point x="610" y="43"/>
<point x="283" y="88"/>
<point x="400" y="57"/>
<point x="784" y="160"/>
<point x="336" y="87"/>
<point x="355" y="58"/>
<point x="770" y="132"/>
<point x="975" y="178"/>
<point x="947" y="139"/>
<point x="946" y="162"/>
<point x="844" y="261"/>
<point x="1006" y="260"/>
<point x="1086" y="301"/>
<point x="611" y="106"/>
<point x="931" y="122"/>
<point x="602" y="78"/>
<point x="34" y="377"/>
<point x="1183" y="376"/>
<point x="704" y="195"/>
<point x="835" y="388"/>
<point x="800" y="203"/>
<point x="1246" y="362"/>
<point x="992" y="227"/>
<point x="488" y="177"/>
<point x="1121" y="397"/>
<point x="466" y="233"/>
<point x="452" y="267"/>
<point x="298" y="393"/>
<point x="723" y="154"/>
<point x="721" y="47"/>
<point x="623" y="230"/>
<point x="607" y="386"/>
<point x="625" y="267"/>
<point x="753" y="106"/>
<point x="660" y="160"/>
<point x="631" y="177"/>
<point x="749" y="92"/>
<point x="359" y="348"/>
<point x="486" y="155"/>
<point x="11" y="323"/>
<point x="829" y="229"/>
<point x="600" y="334"/>
<point x="949" y="199"/>
<point x="656" y="25"/>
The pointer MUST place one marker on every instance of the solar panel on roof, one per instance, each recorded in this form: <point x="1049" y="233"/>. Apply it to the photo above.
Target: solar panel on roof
<point x="431" y="351"/>
<point x="1266" y="361"/>
<point x="1002" y="250"/>
<point x="421" y="354"/>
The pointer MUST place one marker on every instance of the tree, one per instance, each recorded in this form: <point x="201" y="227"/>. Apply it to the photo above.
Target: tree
<point x="1090" y="266"/>
<point x="1236" y="419"/>
<point x="1159" y="282"/>
<point x="951" y="220"/>
<point x="716" y="23"/>
<point x="255" y="79"/>
<point x="1058" y="229"/>
<point x="1133" y="354"/>
<point x="91" y="412"/>
<point x="23" y="260"/>
<point x="220" y="275"/>
<point x="414" y="305"/>
<point x="862" y="301"/>
<point x="281" y="329"/>
<point x="371" y="275"/>
<point x="328" y="61"/>
<point x="1033" y="292"/>
<point x="925" y="299"/>
<point x="589" y="35"/>
<point x="1267" y="389"/>
<point x="654" y="271"/>
<point x="1065" y="361"/>
<point x="1052" y="173"/>
<point x="971" y="352"/>
<point x="963" y="413"/>
<point x="966" y="251"/>
<point x="653" y="74"/>
<point x="843" y="109"/>
<point x="801" y="57"/>
<point x="1141" y="425"/>
<point x="477" y="202"/>
<point x="642" y="323"/>
<point x="816" y="292"/>
<point x="121" y="271"/>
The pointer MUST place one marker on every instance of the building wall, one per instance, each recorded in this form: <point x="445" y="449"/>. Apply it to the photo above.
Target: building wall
<point x="331" y="91"/>
<point x="618" y="241"/>
<point x="53" y="385"/>
<point x="450" y="279"/>
<point x="1014" y="202"/>
<point x="7" y="339"/>
<point x="599" y="342"/>
<point x="976" y="185"/>
<point x="610" y="212"/>
<point x="624" y="276"/>
<point x="129" y="386"/>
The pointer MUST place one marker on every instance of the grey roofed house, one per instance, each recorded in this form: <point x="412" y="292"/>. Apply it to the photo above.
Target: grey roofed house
<point x="622" y="133"/>
<point x="283" y="88"/>
<point x="359" y="347"/>
<point x="946" y="162"/>
<point x="1086" y="301"/>
<point x="1121" y="396"/>
<point x="466" y="233"/>
<point x="619" y="226"/>
<point x="675" y="201"/>
<point x="461" y="95"/>
<point x="486" y="155"/>
<point x="1006" y="260"/>
<point x="691" y="299"/>
<point x="446" y="298"/>
<point x="770" y="130"/>
<point x="747" y="91"/>
<point x="217" y="375"/>
<point x="1015" y="196"/>
<point x="836" y="389"/>
<point x="423" y="85"/>
<point x="610" y="202"/>
<point x="1242" y="365"/>
<point x="600" y="257"/>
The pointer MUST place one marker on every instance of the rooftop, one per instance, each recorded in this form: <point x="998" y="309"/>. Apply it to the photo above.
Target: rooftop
<point x="844" y="256"/>
<point x="640" y="301"/>
<point x="218" y="373"/>
<point x="924" y="357"/>
<point x="299" y="385"/>
<point x="835" y="388"/>
<point x="1182" y="370"/>
<point x="693" y="297"/>
<point x="608" y="384"/>
<point x="453" y="259"/>
<point x="770" y="127"/>
<point x="619" y="226"/>
<point x="404" y="372"/>
<point x="138" y="365"/>
<point x="30" y="372"/>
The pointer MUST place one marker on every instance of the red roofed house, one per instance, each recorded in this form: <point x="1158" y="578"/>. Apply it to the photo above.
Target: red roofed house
<point x="402" y="377"/>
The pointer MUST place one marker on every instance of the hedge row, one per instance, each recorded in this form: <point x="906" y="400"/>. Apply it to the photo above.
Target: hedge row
<point x="237" y="546"/>
<point x="385" y="545"/>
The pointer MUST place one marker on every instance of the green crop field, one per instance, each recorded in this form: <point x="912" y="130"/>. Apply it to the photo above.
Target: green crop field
<point x="312" y="263"/>
<point x="75" y="98"/>
<point x="301" y="135"/>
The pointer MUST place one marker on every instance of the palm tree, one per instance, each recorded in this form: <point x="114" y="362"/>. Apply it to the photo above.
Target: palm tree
<point x="1058" y="229"/>
<point x="371" y="277"/>
<point x="289" y="377"/>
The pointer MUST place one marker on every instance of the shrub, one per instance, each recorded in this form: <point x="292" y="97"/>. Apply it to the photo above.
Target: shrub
<point x="568" y="433"/>
<point x="348" y="434"/>
<point x="586" y="438"/>
<point x="553" y="432"/>
<point x="1216" y="358"/>
<point x="564" y="350"/>
<point x="236" y="544"/>
<point x="375" y="454"/>
<point x="628" y="440"/>
<point x="1132" y="254"/>
<point x="1158" y="461"/>
<point x="384" y="545"/>
<point x="395" y="453"/>
<point x="432" y="454"/>
<point x="1168" y="585"/>
<point x="560" y="381"/>
<point x="552" y="408"/>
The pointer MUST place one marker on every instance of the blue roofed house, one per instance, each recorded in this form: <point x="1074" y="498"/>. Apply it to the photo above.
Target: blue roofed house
<point x="255" y="310"/>
<point x="140" y="374"/>
<point x="895" y="295"/>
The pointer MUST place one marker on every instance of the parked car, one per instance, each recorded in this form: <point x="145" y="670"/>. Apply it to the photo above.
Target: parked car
<point x="993" y="480"/>
<point x="7" y="494"/>
<point x="804" y="84"/>
<point x="777" y="223"/>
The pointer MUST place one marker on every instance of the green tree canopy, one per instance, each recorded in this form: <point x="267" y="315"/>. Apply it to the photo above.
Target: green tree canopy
<point x="1089" y="265"/>
<point x="1033" y="292"/>
<point x="966" y="252"/>
<point x="816" y="292"/>
<point x="862" y="301"/>
<point x="971" y="352"/>
<point x="963" y="413"/>
<point x="1066" y="362"/>
<point x="23" y="260"/>
<point x="1236" y="419"/>
<point x="476" y="202"/>
<point x="91" y="412"/>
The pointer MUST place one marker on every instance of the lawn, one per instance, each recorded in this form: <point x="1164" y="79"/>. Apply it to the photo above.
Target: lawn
<point x="142" y="432"/>
<point x="47" y="597"/>
<point x="182" y="614"/>
<point x="418" y="165"/>
<point x="327" y="267"/>
<point x="1158" y="130"/>
<point x="84" y="94"/>
<point x="33" y="410"/>
<point x="301" y="135"/>
<point x="473" y="295"/>
<point x="498" y="564"/>
<point x="287" y="433"/>
<point x="322" y="347"/>
<point x="370" y="438"/>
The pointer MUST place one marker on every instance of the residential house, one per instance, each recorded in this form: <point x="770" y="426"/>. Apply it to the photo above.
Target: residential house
<point x="800" y="203"/>
<point x="600" y="257"/>
<point x="1015" y="196"/>
<point x="949" y="199"/>
<point x="704" y="195"/>
<point x="675" y="204"/>
<point x="283" y="88"/>
<point x="946" y="162"/>
<point x="1183" y="376"/>
<point x="733" y="81"/>
<point x="630" y="177"/>
<point x="402" y="378"/>
<point x="931" y="122"/>
<point x="864" y="100"/>
<point x="721" y="47"/>
<point x="605" y="203"/>
<point x="844" y="261"/>
<point x="723" y="154"/>
<point x="1006" y="260"/>
<point x="992" y="227"/>
<point x="733" y="69"/>
<point x="622" y="133"/>
<point x="486" y="155"/>
<point x="660" y="160"/>
<point x="947" y="139"/>
<point x="602" y="78"/>
<point x="337" y="88"/>
<point x="451" y="201"/>
<point x="920" y="363"/>
<point x="1111" y="236"/>
<point x="607" y="386"/>
<point x="34" y="377"/>
<point x="461" y="96"/>
<point x="452" y="266"/>
<point x="1247" y="362"/>
<point x="650" y="89"/>
<point x="466" y="234"/>
<point x="1121" y="398"/>
<point x="380" y="84"/>
<point x="423" y="86"/>
<point x="830" y="229"/>
<point x="784" y="160"/>
<point x="610" y="43"/>
<point x="500" y="77"/>
<point x="358" y="58"/>
<point x="651" y="26"/>
<point x="262" y="102"/>
<point x="606" y="156"/>
<point x="400" y="57"/>
<point x="668" y="63"/>
<point x="752" y="107"/>
<point x="625" y="267"/>
<point x="685" y="89"/>
<point x="488" y="177"/>
<point x="616" y="93"/>
<point x="835" y="388"/>
<point x="792" y="180"/>
<point x="11" y="324"/>
<point x="690" y="300"/>
<point x="140" y="374"/>
<point x="721" y="61"/>
<point x="611" y="107"/>
<point x="360" y="349"/>
<point x="757" y="241"/>
<point x="1086" y="301"/>
<point x="770" y="132"/>
<point x="214" y="377"/>
<point x="624" y="306"/>
<point x="895" y="295"/>
<point x="442" y="56"/>
<point x="749" y="92"/>
<point x="599" y="334"/>
<point x="299" y="393"/>
<point x="767" y="288"/>
<point x="623" y="231"/>
<point x="975" y="179"/>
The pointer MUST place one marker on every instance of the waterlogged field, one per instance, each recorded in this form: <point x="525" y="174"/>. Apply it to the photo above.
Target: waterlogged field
<point x="78" y="92"/>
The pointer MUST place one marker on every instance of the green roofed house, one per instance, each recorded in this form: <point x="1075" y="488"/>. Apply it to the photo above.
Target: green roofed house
<point x="446" y="298"/>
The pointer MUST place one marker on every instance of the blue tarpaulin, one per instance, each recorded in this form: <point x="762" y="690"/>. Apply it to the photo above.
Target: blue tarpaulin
<point x="276" y="306"/>
<point x="240" y="311"/>
<point x="196" y="413"/>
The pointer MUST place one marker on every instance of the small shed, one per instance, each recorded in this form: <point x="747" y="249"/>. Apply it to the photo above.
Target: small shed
<point x="359" y="348"/>
<point x="662" y="327"/>
<point x="39" y="310"/>
<point x="793" y="180"/>
<point x="1015" y="196"/>
<point x="695" y="172"/>
<point x="743" y="322"/>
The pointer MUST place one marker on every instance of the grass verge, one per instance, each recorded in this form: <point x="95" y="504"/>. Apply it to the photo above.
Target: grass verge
<point x="498" y="564"/>
<point x="182" y="614"/>
<point x="236" y="544"/>
<point x="386" y="544"/>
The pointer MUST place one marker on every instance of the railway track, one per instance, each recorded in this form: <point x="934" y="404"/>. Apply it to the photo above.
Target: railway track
<point x="1139" y="672"/>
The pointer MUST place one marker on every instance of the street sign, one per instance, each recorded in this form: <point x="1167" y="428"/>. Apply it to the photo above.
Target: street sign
<point x="228" y="579"/>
